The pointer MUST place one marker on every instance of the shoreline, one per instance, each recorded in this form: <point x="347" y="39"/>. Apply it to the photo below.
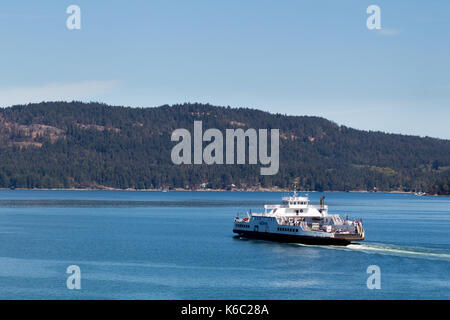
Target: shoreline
<point x="200" y="190"/>
<point x="218" y="190"/>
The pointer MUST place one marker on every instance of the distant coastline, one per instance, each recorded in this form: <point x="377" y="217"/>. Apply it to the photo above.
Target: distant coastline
<point x="93" y="146"/>
<point x="219" y="190"/>
<point x="203" y="190"/>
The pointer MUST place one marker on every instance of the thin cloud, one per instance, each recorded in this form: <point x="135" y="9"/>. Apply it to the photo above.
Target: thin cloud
<point x="443" y="86"/>
<point x="84" y="90"/>
<point x="389" y="32"/>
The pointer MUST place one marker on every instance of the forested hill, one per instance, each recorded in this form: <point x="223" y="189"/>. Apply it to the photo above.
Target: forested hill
<point x="441" y="187"/>
<point x="65" y="145"/>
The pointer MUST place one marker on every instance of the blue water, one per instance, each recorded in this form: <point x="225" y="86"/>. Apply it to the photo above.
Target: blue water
<point x="179" y="245"/>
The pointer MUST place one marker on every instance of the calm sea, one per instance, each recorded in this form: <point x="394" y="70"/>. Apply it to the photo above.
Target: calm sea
<point x="180" y="245"/>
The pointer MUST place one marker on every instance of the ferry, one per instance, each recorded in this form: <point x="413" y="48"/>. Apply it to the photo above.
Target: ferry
<point x="298" y="221"/>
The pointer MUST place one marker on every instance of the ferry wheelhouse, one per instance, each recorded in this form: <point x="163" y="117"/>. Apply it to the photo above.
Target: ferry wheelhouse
<point x="298" y="221"/>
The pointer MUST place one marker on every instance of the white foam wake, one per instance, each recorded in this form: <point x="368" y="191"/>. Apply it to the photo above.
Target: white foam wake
<point x="389" y="250"/>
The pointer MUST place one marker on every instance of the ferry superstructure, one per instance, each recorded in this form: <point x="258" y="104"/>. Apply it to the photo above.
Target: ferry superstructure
<point x="298" y="221"/>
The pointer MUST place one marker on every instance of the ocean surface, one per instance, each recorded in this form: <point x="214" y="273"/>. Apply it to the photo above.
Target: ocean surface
<point x="180" y="245"/>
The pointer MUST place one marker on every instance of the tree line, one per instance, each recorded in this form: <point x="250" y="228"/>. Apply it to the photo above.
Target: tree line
<point x="93" y="145"/>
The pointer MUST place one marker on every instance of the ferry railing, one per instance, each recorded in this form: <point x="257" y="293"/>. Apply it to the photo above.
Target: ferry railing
<point x="242" y="216"/>
<point x="275" y="206"/>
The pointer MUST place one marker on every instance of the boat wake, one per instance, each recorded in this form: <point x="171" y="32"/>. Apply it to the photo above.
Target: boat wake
<point x="388" y="249"/>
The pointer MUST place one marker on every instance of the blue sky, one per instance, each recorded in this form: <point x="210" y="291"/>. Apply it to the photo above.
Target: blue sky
<point x="293" y="57"/>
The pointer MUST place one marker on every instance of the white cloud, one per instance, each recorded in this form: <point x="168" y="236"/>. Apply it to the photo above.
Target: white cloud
<point x="84" y="90"/>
